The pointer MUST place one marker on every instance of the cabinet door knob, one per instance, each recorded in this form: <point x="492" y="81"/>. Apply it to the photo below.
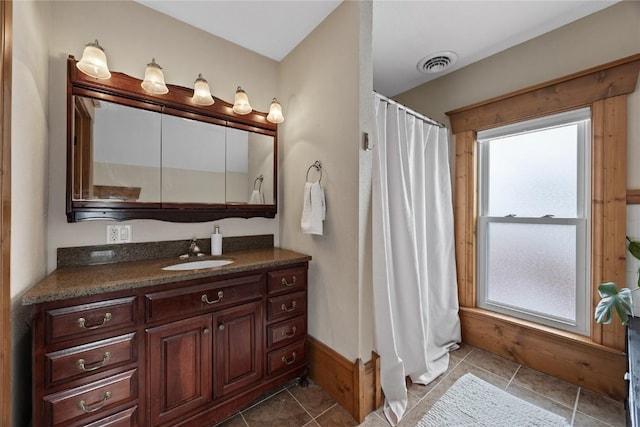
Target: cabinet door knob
<point x="87" y="409"/>
<point x="84" y="367"/>
<point x="82" y="322"/>
<point x="221" y="327"/>
<point x="205" y="298"/>
<point x="206" y="331"/>
<point x="284" y="282"/>
<point x="283" y="307"/>
<point x="290" y="361"/>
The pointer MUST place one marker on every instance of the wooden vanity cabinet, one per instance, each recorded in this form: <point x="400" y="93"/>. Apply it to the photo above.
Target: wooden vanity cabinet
<point x="185" y="353"/>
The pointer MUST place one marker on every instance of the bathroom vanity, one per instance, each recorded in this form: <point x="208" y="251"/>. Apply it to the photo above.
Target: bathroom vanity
<point x="129" y="344"/>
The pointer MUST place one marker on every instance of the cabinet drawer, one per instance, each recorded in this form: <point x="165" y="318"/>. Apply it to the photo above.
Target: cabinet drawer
<point x="286" y="280"/>
<point x="286" y="331"/>
<point x="92" y="398"/>
<point x="175" y="302"/>
<point x="126" y="418"/>
<point x="285" y="357"/>
<point x="96" y="356"/>
<point x="89" y="319"/>
<point x="287" y="305"/>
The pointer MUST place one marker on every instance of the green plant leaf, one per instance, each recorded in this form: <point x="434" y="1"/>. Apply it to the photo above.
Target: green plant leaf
<point x="613" y="300"/>
<point x="634" y="248"/>
<point x="607" y="289"/>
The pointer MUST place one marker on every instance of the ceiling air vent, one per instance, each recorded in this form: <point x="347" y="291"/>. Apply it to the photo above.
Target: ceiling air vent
<point x="437" y="62"/>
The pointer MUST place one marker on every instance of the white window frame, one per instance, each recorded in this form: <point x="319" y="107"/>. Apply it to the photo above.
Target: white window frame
<point x="582" y="221"/>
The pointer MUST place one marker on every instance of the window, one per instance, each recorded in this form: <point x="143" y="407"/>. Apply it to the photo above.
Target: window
<point x="533" y="220"/>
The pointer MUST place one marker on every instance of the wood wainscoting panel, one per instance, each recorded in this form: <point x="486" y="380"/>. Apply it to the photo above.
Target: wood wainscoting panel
<point x="6" y="35"/>
<point x="633" y="197"/>
<point x="563" y="355"/>
<point x="354" y="385"/>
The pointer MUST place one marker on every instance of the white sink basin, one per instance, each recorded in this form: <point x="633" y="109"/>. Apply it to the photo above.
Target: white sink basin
<point x="196" y="265"/>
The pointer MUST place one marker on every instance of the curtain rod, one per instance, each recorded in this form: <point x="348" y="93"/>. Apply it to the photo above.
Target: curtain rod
<point x="410" y="111"/>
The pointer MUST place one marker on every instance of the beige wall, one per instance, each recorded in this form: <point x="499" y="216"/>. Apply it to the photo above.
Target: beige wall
<point x="320" y="89"/>
<point x="30" y="93"/>
<point x="29" y="146"/>
<point x="131" y="35"/>
<point x="603" y="37"/>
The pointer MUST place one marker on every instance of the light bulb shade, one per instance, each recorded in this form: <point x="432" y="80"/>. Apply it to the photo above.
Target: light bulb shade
<point x="241" y="103"/>
<point x="154" y="79"/>
<point x="202" y="92"/>
<point x="275" y="112"/>
<point x="94" y="62"/>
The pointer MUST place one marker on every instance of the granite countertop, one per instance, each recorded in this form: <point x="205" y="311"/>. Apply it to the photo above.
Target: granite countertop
<point x="78" y="281"/>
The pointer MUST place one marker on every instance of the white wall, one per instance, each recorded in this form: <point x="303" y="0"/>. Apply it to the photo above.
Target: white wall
<point x="610" y="34"/>
<point x="320" y="89"/>
<point x="29" y="146"/>
<point x="131" y="35"/>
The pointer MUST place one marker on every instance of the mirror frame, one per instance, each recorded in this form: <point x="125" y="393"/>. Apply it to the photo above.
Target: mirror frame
<point x="126" y="90"/>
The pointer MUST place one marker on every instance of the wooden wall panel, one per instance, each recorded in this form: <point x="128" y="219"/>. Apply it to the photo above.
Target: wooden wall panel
<point x="597" y="211"/>
<point x="354" y="385"/>
<point x="5" y="210"/>
<point x="633" y="197"/>
<point x="566" y="356"/>
<point x="573" y="91"/>
<point x="464" y="211"/>
<point x="615" y="206"/>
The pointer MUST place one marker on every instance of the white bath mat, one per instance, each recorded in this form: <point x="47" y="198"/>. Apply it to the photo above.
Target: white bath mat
<point x="471" y="402"/>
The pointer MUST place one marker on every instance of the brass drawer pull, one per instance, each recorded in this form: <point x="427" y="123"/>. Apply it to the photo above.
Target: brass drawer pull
<point x="82" y="322"/>
<point x="87" y="410"/>
<point x="284" y="282"/>
<point x="83" y="367"/>
<point x="205" y="298"/>
<point x="289" y="362"/>
<point x="287" y="309"/>
<point x="289" y="334"/>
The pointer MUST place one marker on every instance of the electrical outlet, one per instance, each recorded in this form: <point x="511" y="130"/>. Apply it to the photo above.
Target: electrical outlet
<point x="113" y="234"/>
<point x="118" y="234"/>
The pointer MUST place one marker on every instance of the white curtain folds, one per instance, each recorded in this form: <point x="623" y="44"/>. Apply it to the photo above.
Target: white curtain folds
<point x="414" y="277"/>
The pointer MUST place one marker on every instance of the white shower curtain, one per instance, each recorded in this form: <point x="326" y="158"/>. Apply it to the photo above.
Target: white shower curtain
<point x="414" y="277"/>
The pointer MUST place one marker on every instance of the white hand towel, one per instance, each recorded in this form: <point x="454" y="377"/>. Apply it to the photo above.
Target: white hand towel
<point x="313" y="209"/>
<point x="256" y="198"/>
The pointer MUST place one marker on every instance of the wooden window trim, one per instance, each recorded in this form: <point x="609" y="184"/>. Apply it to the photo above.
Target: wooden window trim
<point x="604" y="89"/>
<point x="6" y="19"/>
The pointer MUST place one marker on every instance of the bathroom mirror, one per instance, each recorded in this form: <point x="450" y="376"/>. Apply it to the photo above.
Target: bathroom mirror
<point x="134" y="155"/>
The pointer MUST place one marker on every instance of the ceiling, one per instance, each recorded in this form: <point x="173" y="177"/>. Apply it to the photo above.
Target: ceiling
<point x="403" y="31"/>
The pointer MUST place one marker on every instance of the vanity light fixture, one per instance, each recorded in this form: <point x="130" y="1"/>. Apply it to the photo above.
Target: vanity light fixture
<point x="202" y="92"/>
<point x="275" y="112"/>
<point x="241" y="103"/>
<point x="154" y="79"/>
<point x="94" y="62"/>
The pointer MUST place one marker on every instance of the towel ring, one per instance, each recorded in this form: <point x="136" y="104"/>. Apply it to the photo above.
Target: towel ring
<point x="258" y="180"/>
<point x="318" y="167"/>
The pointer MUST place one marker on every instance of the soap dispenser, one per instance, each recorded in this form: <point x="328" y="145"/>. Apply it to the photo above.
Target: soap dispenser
<point x="216" y="241"/>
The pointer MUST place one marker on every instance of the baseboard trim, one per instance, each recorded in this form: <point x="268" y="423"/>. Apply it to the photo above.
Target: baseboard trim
<point x="354" y="385"/>
<point x="570" y="358"/>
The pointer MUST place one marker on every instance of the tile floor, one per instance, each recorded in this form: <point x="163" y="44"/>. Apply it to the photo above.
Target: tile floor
<point x="294" y="406"/>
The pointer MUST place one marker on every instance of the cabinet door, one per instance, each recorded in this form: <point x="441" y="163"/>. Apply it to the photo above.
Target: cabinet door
<point x="179" y="370"/>
<point x="238" y="347"/>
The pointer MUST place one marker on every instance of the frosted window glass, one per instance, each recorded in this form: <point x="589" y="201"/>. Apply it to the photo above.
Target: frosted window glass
<point x="534" y="174"/>
<point x="532" y="268"/>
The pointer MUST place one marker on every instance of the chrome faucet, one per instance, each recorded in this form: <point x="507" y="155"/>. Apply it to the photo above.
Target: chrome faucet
<point x="193" y="250"/>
